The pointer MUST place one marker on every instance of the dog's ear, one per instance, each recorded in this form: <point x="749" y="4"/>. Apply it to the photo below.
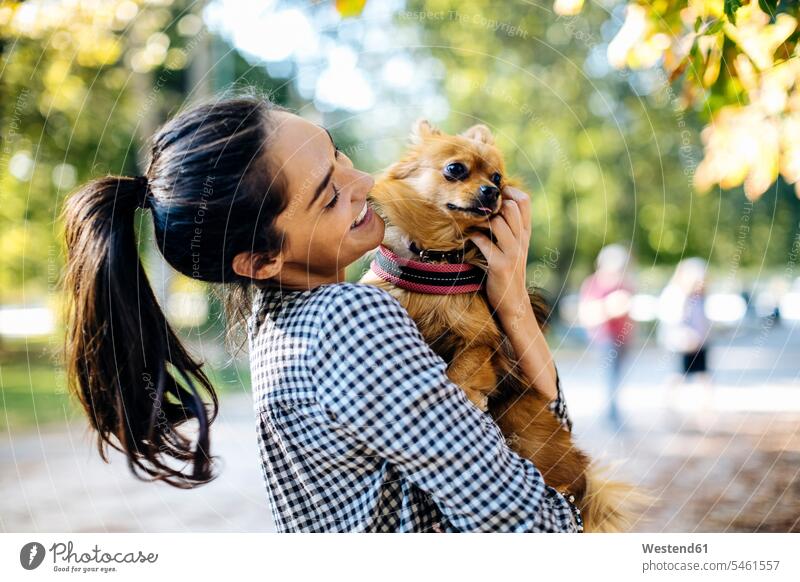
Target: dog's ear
<point x="401" y="170"/>
<point x="479" y="133"/>
<point x="422" y="129"/>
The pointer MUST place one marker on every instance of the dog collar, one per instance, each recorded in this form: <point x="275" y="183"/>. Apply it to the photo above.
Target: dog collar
<point x="455" y="256"/>
<point x="434" y="278"/>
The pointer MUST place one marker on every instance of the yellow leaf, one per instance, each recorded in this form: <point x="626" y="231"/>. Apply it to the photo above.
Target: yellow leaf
<point x="712" y="46"/>
<point x="568" y="7"/>
<point x="707" y="8"/>
<point x="348" y="8"/>
<point x="756" y="37"/>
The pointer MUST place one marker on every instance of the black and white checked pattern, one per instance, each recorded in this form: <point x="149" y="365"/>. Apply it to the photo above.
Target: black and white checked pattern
<point x="360" y="428"/>
<point x="559" y="406"/>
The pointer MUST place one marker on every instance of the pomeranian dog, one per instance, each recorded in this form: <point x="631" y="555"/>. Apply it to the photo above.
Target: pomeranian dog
<point x="444" y="188"/>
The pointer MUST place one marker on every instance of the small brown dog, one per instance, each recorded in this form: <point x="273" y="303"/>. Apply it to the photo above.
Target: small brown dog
<point x="444" y="188"/>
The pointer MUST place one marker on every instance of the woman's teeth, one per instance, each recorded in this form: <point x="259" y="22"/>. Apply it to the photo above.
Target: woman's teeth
<point x="360" y="217"/>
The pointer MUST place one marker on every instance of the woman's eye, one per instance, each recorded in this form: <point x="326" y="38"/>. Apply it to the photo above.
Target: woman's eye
<point x="496" y="179"/>
<point x="335" y="198"/>
<point x="455" y="171"/>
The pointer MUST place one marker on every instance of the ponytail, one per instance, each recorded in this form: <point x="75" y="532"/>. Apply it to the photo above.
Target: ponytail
<point x="130" y="372"/>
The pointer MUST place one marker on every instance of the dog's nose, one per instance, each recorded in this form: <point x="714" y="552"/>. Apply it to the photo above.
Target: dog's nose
<point x="488" y="195"/>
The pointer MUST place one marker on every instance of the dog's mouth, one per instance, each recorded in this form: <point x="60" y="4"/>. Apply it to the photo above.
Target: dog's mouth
<point x="476" y="210"/>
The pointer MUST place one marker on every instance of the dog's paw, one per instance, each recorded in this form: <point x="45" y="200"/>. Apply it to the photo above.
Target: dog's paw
<point x="479" y="399"/>
<point x="482" y="402"/>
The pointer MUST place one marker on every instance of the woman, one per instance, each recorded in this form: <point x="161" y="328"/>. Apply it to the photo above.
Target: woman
<point x="683" y="325"/>
<point x="359" y="427"/>
<point x="684" y="328"/>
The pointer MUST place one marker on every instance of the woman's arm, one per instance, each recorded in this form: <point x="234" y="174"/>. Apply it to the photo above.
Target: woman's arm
<point x="530" y="346"/>
<point x="507" y="291"/>
<point x="535" y="360"/>
<point x="380" y="383"/>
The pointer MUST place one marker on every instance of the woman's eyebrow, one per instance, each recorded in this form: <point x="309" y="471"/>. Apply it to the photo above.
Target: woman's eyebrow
<point x="326" y="179"/>
<point x="322" y="185"/>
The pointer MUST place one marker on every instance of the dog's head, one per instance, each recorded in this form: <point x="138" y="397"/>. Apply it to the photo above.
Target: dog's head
<point x="460" y="174"/>
<point x="445" y="186"/>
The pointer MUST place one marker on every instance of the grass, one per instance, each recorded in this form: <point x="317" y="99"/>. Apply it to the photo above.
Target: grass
<point x="33" y="392"/>
<point x="33" y="395"/>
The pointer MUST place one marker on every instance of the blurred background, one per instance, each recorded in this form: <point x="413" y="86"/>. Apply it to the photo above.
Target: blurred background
<point x="659" y="143"/>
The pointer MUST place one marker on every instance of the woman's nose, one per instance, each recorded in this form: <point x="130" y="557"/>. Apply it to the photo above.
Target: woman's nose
<point x="365" y="180"/>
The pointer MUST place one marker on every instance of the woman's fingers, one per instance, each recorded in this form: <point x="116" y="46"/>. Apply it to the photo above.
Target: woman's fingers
<point x="485" y="244"/>
<point x="515" y="194"/>
<point x="511" y="212"/>
<point x="510" y="227"/>
<point x="501" y="229"/>
<point x="523" y="201"/>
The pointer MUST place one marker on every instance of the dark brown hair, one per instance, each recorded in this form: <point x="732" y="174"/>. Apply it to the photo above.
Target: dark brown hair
<point x="211" y="193"/>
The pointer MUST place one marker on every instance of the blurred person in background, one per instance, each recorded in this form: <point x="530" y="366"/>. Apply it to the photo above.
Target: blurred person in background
<point x="604" y="310"/>
<point x="683" y="325"/>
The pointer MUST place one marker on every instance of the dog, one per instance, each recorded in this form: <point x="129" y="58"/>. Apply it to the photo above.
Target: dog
<point x="441" y="190"/>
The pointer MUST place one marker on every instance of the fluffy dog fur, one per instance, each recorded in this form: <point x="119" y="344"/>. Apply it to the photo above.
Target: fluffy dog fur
<point x="418" y="203"/>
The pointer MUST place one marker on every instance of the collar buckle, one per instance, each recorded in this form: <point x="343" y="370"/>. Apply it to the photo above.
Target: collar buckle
<point x="429" y="255"/>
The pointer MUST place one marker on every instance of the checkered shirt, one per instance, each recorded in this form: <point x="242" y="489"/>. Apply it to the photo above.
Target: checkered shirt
<point x="360" y="429"/>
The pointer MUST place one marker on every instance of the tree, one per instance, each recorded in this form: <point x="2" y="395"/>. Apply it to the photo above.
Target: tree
<point x="737" y="63"/>
<point x="84" y="85"/>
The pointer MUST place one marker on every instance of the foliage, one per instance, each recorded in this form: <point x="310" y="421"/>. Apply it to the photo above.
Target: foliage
<point x="738" y="63"/>
<point x="76" y="91"/>
<point x="84" y="85"/>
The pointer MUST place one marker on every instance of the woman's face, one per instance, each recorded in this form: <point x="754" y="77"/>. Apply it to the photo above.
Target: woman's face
<point x="326" y="196"/>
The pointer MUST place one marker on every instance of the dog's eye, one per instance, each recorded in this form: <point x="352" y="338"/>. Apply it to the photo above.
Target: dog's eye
<point x="496" y="179"/>
<point x="455" y="171"/>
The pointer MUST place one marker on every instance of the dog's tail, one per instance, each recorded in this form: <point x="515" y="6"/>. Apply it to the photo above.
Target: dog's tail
<point x="609" y="505"/>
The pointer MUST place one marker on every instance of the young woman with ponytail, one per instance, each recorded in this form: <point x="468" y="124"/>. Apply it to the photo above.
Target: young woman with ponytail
<point x="358" y="425"/>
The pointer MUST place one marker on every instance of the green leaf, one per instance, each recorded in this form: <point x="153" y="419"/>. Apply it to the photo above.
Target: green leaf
<point x="731" y="6"/>
<point x="768" y="7"/>
<point x="715" y="27"/>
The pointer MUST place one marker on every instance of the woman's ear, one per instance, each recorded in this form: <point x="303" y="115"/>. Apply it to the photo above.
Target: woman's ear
<point x="256" y="265"/>
<point x="479" y="133"/>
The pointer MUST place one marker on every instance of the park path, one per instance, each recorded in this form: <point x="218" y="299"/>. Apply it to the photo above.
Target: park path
<point x="724" y="461"/>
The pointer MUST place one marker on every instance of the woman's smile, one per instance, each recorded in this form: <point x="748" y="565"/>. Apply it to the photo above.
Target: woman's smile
<point x="361" y="216"/>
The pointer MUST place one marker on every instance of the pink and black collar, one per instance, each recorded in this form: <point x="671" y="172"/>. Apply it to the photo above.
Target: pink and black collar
<point x="424" y="277"/>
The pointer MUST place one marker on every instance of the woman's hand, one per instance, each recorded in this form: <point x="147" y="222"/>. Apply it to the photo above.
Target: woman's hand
<point x="507" y="291"/>
<point x="508" y="259"/>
